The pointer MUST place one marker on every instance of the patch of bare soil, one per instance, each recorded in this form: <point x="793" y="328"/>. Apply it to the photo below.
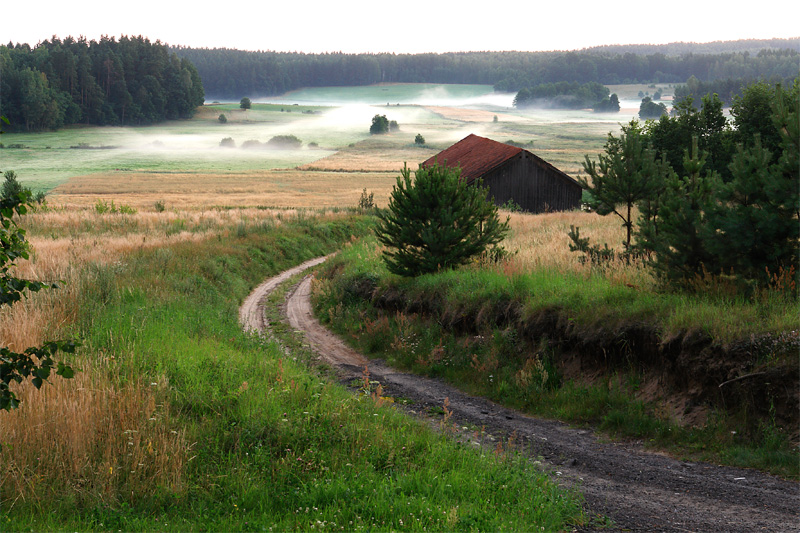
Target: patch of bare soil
<point x="638" y="490"/>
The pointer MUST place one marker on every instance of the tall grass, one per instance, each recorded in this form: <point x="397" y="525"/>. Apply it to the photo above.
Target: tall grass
<point x="178" y="420"/>
<point x="477" y="327"/>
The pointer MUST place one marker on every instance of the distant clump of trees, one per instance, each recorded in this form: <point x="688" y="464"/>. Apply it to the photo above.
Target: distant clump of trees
<point x="278" y="142"/>
<point x="562" y="95"/>
<point x="284" y="142"/>
<point x="715" y="200"/>
<point x="381" y="124"/>
<point x="609" y="104"/>
<point x="130" y="81"/>
<point x="650" y="109"/>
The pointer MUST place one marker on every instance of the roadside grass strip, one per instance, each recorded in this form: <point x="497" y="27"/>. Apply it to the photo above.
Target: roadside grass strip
<point x="224" y="432"/>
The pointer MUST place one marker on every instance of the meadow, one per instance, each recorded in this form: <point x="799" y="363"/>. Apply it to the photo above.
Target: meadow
<point x="179" y="421"/>
<point x="333" y="125"/>
<point x="176" y="419"/>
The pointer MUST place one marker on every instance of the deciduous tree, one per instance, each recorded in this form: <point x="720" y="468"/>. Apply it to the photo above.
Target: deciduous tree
<point x="36" y="362"/>
<point x="380" y="124"/>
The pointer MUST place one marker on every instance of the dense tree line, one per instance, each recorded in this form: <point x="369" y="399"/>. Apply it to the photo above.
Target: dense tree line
<point x="718" y="200"/>
<point x="130" y="81"/>
<point x="751" y="46"/>
<point x="230" y="74"/>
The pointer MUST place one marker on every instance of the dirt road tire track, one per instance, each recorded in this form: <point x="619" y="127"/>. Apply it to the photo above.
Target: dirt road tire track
<point x="638" y="490"/>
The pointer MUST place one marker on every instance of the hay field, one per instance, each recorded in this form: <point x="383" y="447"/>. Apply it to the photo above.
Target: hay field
<point x="186" y="191"/>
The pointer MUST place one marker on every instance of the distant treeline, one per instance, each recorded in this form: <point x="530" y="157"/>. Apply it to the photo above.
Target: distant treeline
<point x="751" y="46"/>
<point x="130" y="81"/>
<point x="231" y="74"/>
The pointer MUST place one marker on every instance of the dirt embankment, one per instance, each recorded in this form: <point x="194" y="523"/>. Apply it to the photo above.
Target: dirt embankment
<point x="688" y="373"/>
<point x="637" y="490"/>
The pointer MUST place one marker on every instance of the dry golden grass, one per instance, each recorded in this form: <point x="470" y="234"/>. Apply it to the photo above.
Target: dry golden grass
<point x="273" y="188"/>
<point x="92" y="435"/>
<point x="96" y="436"/>
<point x="540" y="242"/>
<point x="389" y="161"/>
<point x="380" y="153"/>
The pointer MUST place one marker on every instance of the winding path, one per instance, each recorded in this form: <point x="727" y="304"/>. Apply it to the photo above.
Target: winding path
<point x="638" y="490"/>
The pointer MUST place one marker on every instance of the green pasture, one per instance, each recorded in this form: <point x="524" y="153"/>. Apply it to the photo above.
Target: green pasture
<point x="44" y="160"/>
<point x="393" y="94"/>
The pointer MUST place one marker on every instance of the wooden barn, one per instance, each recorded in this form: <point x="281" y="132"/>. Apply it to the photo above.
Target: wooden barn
<point x="511" y="173"/>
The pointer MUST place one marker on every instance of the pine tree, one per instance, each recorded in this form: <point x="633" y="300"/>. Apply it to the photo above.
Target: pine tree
<point x="680" y="245"/>
<point x="436" y="222"/>
<point x="624" y="175"/>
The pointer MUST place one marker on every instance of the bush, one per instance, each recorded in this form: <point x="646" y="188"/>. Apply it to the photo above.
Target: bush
<point x="285" y="142"/>
<point x="367" y="201"/>
<point x="227" y="142"/>
<point x="252" y="144"/>
<point x="222" y="119"/>
<point x="419" y="139"/>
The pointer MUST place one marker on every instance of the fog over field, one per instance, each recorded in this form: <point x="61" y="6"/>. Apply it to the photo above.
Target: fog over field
<point x="327" y="120"/>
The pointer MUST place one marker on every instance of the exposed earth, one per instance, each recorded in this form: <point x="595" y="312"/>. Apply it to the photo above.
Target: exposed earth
<point x="635" y="489"/>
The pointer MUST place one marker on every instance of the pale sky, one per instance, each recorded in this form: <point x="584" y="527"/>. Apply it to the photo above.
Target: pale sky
<point x="355" y="26"/>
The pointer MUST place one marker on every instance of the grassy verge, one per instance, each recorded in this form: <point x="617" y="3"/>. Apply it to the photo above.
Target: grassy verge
<point x="178" y="421"/>
<point x="472" y="327"/>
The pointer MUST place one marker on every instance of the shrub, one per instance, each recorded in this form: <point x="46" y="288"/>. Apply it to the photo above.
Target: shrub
<point x="285" y="142"/>
<point x="366" y="202"/>
<point x="436" y="222"/>
<point x="251" y="144"/>
<point x="227" y="142"/>
<point x="419" y="139"/>
<point x="222" y="119"/>
<point x="11" y="187"/>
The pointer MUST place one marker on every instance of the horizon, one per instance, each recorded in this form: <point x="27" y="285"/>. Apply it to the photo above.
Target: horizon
<point x="180" y="45"/>
<point x="358" y="27"/>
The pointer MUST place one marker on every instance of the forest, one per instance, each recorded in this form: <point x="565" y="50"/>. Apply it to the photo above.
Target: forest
<point x="124" y="82"/>
<point x="132" y="81"/>
<point x="231" y="74"/>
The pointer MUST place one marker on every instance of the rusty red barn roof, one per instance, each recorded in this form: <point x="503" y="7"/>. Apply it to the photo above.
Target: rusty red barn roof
<point x="475" y="155"/>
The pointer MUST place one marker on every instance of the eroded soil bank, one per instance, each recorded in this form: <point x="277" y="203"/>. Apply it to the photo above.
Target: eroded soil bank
<point x="688" y="373"/>
<point x="636" y="490"/>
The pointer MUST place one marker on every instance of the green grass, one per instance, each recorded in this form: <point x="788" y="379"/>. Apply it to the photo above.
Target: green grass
<point x="272" y="444"/>
<point x="399" y="93"/>
<point x="469" y="327"/>
<point x="340" y="121"/>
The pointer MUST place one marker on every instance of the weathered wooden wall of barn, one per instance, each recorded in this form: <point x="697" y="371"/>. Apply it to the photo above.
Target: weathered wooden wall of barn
<point x="535" y="187"/>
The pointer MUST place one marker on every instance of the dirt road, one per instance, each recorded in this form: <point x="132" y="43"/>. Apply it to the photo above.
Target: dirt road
<point x="638" y="490"/>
